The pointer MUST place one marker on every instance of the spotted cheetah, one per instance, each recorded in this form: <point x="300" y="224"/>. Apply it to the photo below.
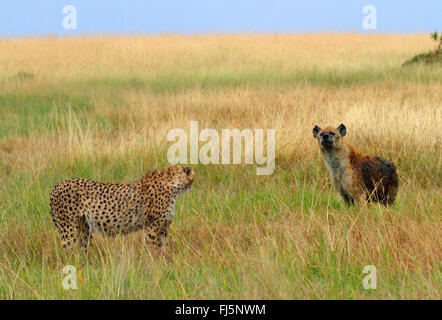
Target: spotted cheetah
<point x="81" y="207"/>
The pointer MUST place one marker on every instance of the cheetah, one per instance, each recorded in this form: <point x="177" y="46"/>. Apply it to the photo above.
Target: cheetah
<point x="359" y="178"/>
<point x="81" y="207"/>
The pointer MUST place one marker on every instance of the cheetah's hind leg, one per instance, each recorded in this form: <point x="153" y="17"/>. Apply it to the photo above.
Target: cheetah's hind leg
<point x="84" y="233"/>
<point x="73" y="229"/>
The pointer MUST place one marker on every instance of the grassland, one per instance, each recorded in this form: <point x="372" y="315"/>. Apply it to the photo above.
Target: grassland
<point x="101" y="108"/>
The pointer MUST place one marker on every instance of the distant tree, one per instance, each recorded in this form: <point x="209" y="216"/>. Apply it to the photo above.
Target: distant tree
<point x="437" y="37"/>
<point x="432" y="56"/>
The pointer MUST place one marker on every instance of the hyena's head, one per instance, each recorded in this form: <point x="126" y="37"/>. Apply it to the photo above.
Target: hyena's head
<point x="329" y="138"/>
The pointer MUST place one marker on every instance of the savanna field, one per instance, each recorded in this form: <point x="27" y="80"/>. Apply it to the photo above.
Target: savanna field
<point x="101" y="108"/>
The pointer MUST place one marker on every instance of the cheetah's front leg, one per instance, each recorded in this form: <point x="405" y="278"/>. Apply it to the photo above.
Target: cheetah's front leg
<point x="156" y="235"/>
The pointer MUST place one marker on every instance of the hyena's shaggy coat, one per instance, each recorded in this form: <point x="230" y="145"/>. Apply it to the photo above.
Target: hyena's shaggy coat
<point x="357" y="177"/>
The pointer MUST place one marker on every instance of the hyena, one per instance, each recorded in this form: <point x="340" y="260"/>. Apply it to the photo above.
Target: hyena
<point x="357" y="177"/>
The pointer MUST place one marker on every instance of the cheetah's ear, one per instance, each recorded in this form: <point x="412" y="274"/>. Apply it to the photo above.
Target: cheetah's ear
<point x="316" y="130"/>
<point x="342" y="129"/>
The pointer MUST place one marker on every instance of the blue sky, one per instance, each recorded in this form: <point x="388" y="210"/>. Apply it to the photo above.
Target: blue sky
<point x="36" y="18"/>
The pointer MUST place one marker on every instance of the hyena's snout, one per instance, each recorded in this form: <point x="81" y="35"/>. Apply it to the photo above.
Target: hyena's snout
<point x="327" y="139"/>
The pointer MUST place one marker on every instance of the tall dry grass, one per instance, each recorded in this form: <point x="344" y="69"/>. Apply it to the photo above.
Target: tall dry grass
<point x="101" y="108"/>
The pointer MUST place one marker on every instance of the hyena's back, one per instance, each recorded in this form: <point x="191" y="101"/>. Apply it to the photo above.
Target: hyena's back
<point x="380" y="179"/>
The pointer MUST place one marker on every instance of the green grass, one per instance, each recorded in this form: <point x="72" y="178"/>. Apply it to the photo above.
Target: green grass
<point x="26" y="113"/>
<point x="124" y="270"/>
<point x="214" y="80"/>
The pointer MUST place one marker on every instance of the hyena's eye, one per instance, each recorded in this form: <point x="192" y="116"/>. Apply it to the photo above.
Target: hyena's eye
<point x="332" y="133"/>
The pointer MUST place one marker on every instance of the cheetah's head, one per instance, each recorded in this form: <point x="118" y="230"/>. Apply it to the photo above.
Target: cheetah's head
<point x="180" y="178"/>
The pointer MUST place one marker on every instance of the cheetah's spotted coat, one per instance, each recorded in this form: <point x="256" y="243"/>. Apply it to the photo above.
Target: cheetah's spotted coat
<point x="80" y="207"/>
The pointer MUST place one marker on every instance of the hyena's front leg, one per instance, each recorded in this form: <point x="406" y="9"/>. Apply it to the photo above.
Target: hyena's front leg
<point x="357" y="191"/>
<point x="346" y="196"/>
<point x="361" y="199"/>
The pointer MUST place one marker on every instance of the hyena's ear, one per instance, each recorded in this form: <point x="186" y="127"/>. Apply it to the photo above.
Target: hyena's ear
<point x="342" y="129"/>
<point x="316" y="130"/>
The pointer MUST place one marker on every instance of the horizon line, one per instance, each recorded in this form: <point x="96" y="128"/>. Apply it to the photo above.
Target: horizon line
<point x="202" y="34"/>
